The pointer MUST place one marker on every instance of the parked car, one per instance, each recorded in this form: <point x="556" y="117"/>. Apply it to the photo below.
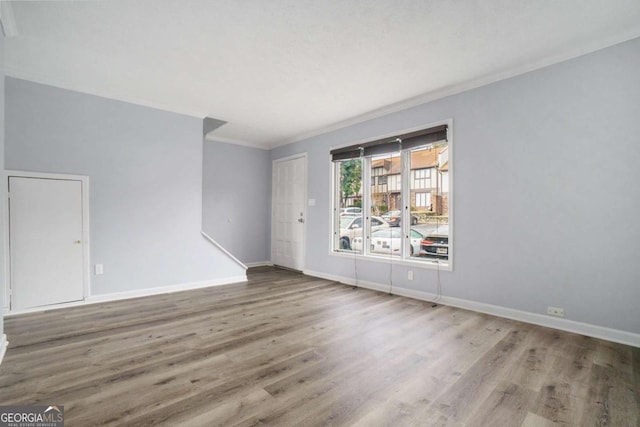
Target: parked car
<point x="351" y="227"/>
<point x="389" y="241"/>
<point x="352" y="210"/>
<point x="394" y="218"/>
<point x="436" y="243"/>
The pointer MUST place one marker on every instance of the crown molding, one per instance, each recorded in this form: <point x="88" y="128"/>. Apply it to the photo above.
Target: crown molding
<point x="462" y="87"/>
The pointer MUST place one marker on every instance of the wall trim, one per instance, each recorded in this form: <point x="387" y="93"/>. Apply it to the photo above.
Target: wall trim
<point x="3" y="346"/>
<point x="212" y="137"/>
<point x="67" y="83"/>
<point x="223" y="250"/>
<point x="136" y="293"/>
<point x="463" y="87"/>
<point x="259" y="264"/>
<point x="601" y="332"/>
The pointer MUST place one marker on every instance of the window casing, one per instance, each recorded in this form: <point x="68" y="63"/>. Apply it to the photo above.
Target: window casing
<point x="404" y="191"/>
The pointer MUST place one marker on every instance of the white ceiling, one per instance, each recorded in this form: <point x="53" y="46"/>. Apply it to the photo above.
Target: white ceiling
<point x="281" y="70"/>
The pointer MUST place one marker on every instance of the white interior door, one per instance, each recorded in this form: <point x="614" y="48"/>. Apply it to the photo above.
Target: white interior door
<point x="45" y="238"/>
<point x="289" y="213"/>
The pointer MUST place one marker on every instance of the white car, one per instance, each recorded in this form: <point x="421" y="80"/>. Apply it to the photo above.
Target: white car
<point x="352" y="210"/>
<point x="389" y="241"/>
<point x="351" y="228"/>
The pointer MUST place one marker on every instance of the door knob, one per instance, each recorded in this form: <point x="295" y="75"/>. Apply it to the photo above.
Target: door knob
<point x="301" y="220"/>
<point x="77" y="242"/>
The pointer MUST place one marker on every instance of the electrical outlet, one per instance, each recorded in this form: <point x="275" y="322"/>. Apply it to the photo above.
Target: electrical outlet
<point x="410" y="275"/>
<point x="555" y="311"/>
<point x="99" y="269"/>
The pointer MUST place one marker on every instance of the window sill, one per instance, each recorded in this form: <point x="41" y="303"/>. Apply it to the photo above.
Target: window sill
<point x="428" y="264"/>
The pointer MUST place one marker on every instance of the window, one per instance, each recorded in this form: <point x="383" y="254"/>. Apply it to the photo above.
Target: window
<point x="402" y="185"/>
<point x="375" y="175"/>
<point x="395" y="182"/>
<point x="348" y="217"/>
<point x="423" y="200"/>
<point x="421" y="178"/>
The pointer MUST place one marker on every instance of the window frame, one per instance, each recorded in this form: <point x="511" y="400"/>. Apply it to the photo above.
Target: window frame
<point x="406" y="181"/>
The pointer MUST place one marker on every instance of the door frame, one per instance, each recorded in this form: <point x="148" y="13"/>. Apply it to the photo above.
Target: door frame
<point x="304" y="202"/>
<point x="86" y="260"/>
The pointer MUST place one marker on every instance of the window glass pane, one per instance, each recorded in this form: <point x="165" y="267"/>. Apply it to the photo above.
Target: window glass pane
<point x="348" y="224"/>
<point x="386" y="205"/>
<point x="429" y="181"/>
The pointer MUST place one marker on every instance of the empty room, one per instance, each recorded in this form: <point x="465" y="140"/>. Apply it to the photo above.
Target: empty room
<point x="301" y="213"/>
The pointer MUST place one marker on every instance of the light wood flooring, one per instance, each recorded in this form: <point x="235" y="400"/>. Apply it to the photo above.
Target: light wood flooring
<point x="288" y="349"/>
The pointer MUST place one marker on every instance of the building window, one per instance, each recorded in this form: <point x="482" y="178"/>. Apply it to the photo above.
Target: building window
<point x="423" y="200"/>
<point x="395" y="182"/>
<point x="376" y="172"/>
<point x="421" y="178"/>
<point x="401" y="187"/>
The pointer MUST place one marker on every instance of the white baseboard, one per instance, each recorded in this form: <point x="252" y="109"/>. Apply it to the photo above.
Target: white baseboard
<point x="259" y="264"/>
<point x="166" y="289"/>
<point x="94" y="299"/>
<point x="3" y="346"/>
<point x="567" y="325"/>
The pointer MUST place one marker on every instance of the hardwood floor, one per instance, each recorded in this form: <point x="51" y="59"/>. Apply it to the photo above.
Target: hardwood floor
<point x="287" y="349"/>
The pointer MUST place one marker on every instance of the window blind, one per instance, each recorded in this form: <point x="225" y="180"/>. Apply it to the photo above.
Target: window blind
<point x="392" y="144"/>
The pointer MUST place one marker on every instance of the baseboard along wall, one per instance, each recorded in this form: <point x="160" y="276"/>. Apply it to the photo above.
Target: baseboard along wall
<point x="137" y="293"/>
<point x="615" y="335"/>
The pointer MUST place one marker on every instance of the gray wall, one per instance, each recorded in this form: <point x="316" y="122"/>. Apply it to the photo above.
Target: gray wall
<point x="237" y="199"/>
<point x="546" y="201"/>
<point x="145" y="169"/>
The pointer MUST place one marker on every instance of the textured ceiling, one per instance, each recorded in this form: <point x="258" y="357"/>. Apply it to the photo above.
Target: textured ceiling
<point x="277" y="71"/>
